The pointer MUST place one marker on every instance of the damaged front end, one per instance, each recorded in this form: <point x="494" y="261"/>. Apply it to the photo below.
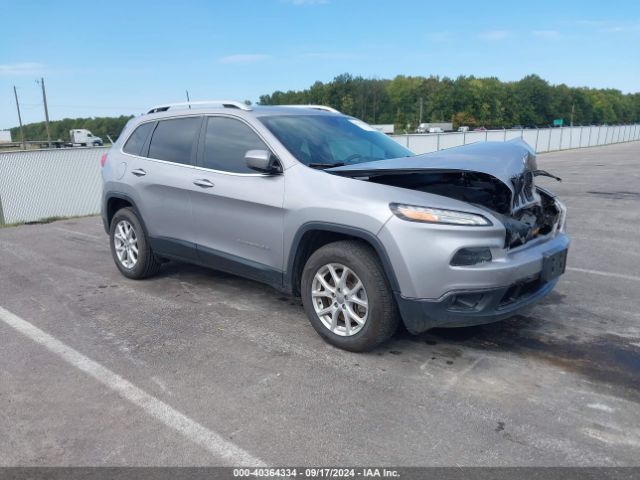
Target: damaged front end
<point x="495" y="176"/>
<point x="538" y="219"/>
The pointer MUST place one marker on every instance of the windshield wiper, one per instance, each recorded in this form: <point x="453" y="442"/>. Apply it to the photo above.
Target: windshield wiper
<point x="326" y="165"/>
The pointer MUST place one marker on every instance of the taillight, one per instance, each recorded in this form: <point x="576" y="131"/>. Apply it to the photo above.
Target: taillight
<point x="103" y="159"/>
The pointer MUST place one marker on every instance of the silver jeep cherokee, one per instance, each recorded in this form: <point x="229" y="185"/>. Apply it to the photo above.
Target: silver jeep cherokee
<point x="319" y="204"/>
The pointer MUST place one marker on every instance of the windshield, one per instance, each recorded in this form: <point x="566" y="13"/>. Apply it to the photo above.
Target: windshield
<point x="325" y="140"/>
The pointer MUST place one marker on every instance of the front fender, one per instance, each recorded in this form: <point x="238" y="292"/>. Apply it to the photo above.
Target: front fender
<point x="295" y="257"/>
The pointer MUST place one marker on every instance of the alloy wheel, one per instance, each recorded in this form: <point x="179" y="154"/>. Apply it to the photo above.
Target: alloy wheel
<point x="126" y="244"/>
<point x="339" y="299"/>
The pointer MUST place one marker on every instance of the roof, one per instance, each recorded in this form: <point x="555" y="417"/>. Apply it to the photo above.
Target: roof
<point x="259" y="110"/>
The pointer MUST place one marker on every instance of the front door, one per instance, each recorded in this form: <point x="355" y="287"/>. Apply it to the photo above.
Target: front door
<point x="238" y="212"/>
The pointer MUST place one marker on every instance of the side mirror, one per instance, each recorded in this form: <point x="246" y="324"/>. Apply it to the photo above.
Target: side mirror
<point x="262" y="161"/>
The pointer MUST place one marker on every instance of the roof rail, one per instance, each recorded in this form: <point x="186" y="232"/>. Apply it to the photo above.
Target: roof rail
<point x="314" y="107"/>
<point x="220" y="103"/>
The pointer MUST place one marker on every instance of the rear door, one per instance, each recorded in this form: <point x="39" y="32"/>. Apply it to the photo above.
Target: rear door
<point x="238" y="212"/>
<point x="162" y="178"/>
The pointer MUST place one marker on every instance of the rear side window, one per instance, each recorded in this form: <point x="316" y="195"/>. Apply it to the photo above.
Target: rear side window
<point x="226" y="142"/>
<point x="173" y="139"/>
<point x="137" y="138"/>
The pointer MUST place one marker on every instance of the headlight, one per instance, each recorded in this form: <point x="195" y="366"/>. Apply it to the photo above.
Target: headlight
<point x="415" y="213"/>
<point x="562" y="221"/>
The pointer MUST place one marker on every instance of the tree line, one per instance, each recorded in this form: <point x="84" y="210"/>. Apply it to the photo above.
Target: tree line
<point x="471" y="101"/>
<point x="100" y="126"/>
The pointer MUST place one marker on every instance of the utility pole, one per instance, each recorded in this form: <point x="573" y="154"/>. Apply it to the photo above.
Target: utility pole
<point x="573" y="109"/>
<point x="24" y="147"/>
<point x="46" y="111"/>
<point x="421" y="103"/>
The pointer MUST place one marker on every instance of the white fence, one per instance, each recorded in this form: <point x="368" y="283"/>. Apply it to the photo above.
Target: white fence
<point x="542" y="139"/>
<point x="36" y="184"/>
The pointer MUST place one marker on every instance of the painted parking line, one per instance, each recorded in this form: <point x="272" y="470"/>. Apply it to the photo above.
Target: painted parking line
<point x="605" y="274"/>
<point x="75" y="232"/>
<point x="190" y="429"/>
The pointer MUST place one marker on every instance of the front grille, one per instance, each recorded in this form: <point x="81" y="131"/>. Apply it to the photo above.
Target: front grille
<point x="522" y="189"/>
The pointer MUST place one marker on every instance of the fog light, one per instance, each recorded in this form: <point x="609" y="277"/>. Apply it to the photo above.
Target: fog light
<point x="471" y="256"/>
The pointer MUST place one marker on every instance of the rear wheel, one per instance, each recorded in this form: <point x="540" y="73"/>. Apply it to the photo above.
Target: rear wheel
<point x="347" y="298"/>
<point x="129" y="246"/>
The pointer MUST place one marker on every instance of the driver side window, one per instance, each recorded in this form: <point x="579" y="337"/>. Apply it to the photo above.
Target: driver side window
<point x="225" y="144"/>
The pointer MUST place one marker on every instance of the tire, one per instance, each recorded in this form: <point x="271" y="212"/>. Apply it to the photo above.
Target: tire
<point x="146" y="263"/>
<point x="381" y="319"/>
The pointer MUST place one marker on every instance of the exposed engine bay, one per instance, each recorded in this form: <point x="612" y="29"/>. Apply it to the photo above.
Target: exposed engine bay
<point x="531" y="222"/>
<point x="538" y="216"/>
<point x="498" y="177"/>
<point x="472" y="187"/>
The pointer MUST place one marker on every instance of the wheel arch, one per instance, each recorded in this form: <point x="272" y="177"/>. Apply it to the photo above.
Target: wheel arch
<point x="116" y="201"/>
<point x="314" y="235"/>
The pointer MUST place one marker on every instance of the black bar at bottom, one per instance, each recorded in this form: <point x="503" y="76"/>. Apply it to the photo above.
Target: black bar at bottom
<point x="405" y="473"/>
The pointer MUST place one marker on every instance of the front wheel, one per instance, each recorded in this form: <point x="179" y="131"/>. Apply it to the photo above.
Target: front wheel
<point x="347" y="297"/>
<point x="129" y="246"/>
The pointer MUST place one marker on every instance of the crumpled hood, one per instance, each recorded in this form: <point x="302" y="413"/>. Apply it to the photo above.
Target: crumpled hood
<point x="502" y="160"/>
<point x="498" y="176"/>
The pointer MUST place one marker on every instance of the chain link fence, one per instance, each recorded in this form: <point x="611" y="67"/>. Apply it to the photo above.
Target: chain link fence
<point x="38" y="184"/>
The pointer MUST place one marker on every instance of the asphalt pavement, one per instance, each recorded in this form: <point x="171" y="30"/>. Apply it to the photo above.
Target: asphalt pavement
<point x="197" y="367"/>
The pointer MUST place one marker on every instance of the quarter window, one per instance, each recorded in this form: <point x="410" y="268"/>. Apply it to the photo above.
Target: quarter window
<point x="173" y="139"/>
<point x="137" y="138"/>
<point x="226" y="142"/>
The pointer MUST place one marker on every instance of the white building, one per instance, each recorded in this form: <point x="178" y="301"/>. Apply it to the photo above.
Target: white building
<point x="384" y="128"/>
<point x="5" y="136"/>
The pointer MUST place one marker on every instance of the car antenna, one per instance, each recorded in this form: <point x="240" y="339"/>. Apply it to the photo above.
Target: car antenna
<point x="188" y="99"/>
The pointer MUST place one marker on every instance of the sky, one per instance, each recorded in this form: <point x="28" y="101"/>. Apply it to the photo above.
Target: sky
<point x="123" y="57"/>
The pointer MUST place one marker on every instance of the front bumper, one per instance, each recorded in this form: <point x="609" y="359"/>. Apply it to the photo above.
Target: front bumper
<point x="467" y="308"/>
<point x="433" y="293"/>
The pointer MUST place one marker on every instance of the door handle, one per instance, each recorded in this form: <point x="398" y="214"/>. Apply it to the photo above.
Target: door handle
<point x="203" y="182"/>
<point x="138" y="172"/>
